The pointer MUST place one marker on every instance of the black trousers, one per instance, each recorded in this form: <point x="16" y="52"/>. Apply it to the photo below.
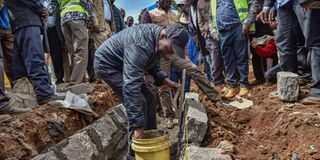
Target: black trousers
<point x="56" y="51"/>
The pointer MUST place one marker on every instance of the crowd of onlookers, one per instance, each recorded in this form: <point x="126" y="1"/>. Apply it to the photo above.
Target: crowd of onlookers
<point x="224" y="35"/>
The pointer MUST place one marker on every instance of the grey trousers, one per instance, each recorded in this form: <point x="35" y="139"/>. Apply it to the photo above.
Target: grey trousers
<point x="77" y="41"/>
<point x="295" y="22"/>
<point x="217" y="65"/>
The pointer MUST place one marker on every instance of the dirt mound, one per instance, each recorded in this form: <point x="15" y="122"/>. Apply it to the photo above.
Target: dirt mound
<point x="28" y="134"/>
<point x="270" y="129"/>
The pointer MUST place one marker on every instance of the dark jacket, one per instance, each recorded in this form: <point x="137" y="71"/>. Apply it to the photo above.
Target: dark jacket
<point x="132" y="52"/>
<point x="25" y="13"/>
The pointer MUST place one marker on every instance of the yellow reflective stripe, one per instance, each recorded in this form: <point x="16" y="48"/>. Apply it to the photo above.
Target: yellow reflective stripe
<point x="214" y="14"/>
<point x="242" y="8"/>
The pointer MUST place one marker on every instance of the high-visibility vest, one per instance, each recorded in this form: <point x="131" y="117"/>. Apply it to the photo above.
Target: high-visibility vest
<point x="242" y="8"/>
<point x="71" y="6"/>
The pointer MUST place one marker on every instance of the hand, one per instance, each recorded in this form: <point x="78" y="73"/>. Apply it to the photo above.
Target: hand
<point x="138" y="133"/>
<point x="44" y="16"/>
<point x="272" y="15"/>
<point x="93" y="25"/>
<point x="254" y="43"/>
<point x="264" y="15"/>
<point x="175" y="86"/>
<point x="269" y="39"/>
<point x="245" y="30"/>
<point x="215" y="36"/>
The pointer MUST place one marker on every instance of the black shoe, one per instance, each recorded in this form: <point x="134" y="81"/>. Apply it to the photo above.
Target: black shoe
<point x="12" y="110"/>
<point x="49" y="99"/>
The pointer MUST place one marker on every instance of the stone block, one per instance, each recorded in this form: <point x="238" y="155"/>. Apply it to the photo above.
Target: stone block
<point x="197" y="121"/>
<point x="79" y="146"/>
<point x="106" y="139"/>
<point x="288" y="86"/>
<point x="46" y="156"/>
<point x="198" y="153"/>
<point x="119" y="116"/>
<point x="23" y="101"/>
<point x="106" y="136"/>
<point x="191" y="95"/>
<point x="83" y="88"/>
<point x="23" y="86"/>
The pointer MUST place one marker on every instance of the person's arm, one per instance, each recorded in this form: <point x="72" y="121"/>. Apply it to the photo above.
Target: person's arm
<point x="252" y="13"/>
<point x="33" y="5"/>
<point x="146" y="18"/>
<point x="213" y="29"/>
<point x="204" y="16"/>
<point x="158" y="75"/>
<point x="134" y="61"/>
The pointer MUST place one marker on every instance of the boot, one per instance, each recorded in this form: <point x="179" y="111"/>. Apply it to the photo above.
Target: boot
<point x="232" y="92"/>
<point x="243" y="91"/>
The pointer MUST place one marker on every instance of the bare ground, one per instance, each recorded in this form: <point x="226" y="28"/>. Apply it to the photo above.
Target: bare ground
<point x="271" y="129"/>
<point x="27" y="135"/>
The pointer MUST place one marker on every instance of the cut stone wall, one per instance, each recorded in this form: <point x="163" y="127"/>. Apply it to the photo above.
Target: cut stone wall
<point x="104" y="139"/>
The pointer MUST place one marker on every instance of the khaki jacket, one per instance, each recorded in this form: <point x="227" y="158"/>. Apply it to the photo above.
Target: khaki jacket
<point x="160" y="17"/>
<point x="98" y="11"/>
<point x="204" y="16"/>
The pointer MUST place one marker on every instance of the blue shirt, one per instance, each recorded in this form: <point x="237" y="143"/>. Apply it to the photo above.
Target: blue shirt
<point x="119" y="24"/>
<point x="282" y="2"/>
<point x="227" y="15"/>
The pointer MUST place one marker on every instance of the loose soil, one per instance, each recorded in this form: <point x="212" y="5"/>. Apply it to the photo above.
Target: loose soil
<point x="27" y="135"/>
<point x="271" y="129"/>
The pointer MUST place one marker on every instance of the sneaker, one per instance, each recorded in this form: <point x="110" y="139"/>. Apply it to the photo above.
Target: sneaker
<point x="232" y="92"/>
<point x="243" y="91"/>
<point x="169" y="123"/>
<point x="4" y="118"/>
<point x="49" y="99"/>
<point x="311" y="101"/>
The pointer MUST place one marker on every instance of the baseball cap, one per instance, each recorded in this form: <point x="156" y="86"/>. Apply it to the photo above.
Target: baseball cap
<point x="179" y="38"/>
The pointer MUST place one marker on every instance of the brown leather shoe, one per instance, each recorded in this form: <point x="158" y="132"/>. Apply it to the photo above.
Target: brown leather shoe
<point x="311" y="101"/>
<point x="232" y="92"/>
<point x="243" y="91"/>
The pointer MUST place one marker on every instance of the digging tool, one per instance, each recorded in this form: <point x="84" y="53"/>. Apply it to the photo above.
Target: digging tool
<point x="181" y="110"/>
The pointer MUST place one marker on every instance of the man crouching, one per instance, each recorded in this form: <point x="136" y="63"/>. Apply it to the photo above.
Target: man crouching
<point x="124" y="59"/>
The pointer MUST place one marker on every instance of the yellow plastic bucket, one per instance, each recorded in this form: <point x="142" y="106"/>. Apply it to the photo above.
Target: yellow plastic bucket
<point x="155" y="146"/>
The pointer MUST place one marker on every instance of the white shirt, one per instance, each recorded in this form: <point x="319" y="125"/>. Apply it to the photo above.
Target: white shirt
<point x="107" y="11"/>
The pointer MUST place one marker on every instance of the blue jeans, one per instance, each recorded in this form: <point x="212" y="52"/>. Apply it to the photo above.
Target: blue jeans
<point x="28" y="61"/>
<point x="295" y="22"/>
<point x="234" y="48"/>
<point x="176" y="76"/>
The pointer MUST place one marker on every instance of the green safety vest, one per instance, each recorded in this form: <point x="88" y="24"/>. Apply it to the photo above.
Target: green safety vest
<point x="242" y="9"/>
<point x="71" y="6"/>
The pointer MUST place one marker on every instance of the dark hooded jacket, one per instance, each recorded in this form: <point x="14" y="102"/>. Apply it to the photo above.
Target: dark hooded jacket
<point x="133" y="53"/>
<point x="25" y="13"/>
